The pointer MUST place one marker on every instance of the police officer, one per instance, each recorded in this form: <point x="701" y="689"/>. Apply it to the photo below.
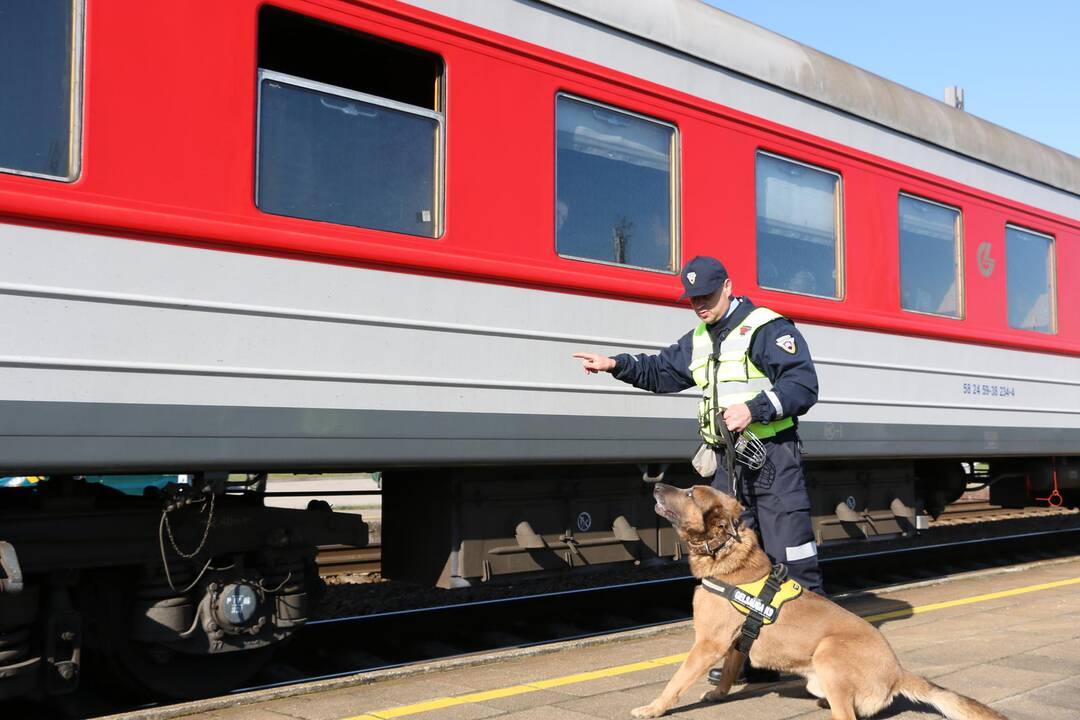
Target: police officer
<point x="755" y="364"/>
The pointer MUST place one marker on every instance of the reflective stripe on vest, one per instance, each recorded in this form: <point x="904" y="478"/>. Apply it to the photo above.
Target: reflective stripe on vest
<point x="729" y="377"/>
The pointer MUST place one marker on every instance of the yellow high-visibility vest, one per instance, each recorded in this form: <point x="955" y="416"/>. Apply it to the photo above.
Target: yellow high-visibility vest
<point x="729" y="377"/>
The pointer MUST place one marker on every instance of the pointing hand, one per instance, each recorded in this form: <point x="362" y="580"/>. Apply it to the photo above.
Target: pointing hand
<point x="594" y="363"/>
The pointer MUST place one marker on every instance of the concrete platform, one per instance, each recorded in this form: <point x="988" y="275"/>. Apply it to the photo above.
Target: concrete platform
<point x="1010" y="639"/>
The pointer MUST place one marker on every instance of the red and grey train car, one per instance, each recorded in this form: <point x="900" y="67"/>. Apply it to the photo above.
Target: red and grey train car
<point x="331" y="235"/>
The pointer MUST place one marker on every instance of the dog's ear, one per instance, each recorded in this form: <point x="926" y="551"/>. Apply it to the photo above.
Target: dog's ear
<point x="727" y="509"/>
<point x="717" y="514"/>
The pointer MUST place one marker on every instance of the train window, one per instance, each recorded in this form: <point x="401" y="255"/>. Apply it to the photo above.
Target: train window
<point x="799" y="230"/>
<point x="40" y="78"/>
<point x="930" y="277"/>
<point x="1031" y="280"/>
<point x="350" y="127"/>
<point x="615" y="186"/>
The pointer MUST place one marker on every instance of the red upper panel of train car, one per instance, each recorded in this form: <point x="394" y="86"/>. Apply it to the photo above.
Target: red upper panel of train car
<point x="175" y="96"/>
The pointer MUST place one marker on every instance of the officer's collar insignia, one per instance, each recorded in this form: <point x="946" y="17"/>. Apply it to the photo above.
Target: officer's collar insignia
<point x="786" y="343"/>
<point x="691" y="277"/>
<point x="745" y="329"/>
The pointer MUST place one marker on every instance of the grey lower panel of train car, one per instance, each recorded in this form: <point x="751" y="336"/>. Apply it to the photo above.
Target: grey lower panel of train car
<point x="141" y="370"/>
<point x="45" y="437"/>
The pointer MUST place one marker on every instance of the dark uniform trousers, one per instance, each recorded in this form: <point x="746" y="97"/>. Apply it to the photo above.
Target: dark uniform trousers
<point x="778" y="507"/>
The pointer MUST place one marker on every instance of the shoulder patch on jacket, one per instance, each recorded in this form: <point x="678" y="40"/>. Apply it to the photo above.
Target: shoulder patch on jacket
<point x="786" y="343"/>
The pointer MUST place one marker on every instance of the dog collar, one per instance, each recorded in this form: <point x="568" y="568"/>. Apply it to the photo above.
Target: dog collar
<point x="703" y="548"/>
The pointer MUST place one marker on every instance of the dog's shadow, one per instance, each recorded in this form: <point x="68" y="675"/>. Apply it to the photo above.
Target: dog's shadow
<point x="794" y="687"/>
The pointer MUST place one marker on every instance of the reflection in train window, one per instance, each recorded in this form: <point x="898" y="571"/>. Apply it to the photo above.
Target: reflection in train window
<point x="350" y="128"/>
<point x="799" y="230"/>
<point x="1032" y="282"/>
<point x="40" y="75"/>
<point x="615" y="186"/>
<point x="930" y="277"/>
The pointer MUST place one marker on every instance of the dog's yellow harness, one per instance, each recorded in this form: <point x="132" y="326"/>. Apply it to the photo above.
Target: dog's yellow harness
<point x="760" y="600"/>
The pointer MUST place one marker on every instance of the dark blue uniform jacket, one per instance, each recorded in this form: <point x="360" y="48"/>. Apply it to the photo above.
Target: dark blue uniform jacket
<point x="791" y="373"/>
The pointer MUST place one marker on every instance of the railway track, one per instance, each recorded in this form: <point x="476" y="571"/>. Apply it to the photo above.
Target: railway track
<point x="342" y="559"/>
<point x="336" y="560"/>
<point x="961" y="513"/>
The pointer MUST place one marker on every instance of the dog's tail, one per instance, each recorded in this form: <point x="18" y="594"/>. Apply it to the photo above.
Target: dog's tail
<point x="952" y="705"/>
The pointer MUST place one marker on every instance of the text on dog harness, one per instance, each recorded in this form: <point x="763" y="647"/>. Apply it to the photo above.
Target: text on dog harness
<point x="760" y="601"/>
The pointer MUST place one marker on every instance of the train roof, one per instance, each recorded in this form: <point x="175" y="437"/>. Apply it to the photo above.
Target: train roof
<point x="701" y="31"/>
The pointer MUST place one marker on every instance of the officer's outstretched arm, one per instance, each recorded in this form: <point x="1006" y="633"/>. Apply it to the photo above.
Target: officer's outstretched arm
<point x="666" y="372"/>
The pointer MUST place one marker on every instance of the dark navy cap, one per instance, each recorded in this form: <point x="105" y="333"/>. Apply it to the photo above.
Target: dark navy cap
<point x="702" y="275"/>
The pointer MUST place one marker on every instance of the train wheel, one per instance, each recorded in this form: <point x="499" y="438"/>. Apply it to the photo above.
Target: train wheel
<point x="154" y="670"/>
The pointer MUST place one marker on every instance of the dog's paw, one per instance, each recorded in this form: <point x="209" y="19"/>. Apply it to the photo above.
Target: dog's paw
<point x="647" y="711"/>
<point x="714" y="695"/>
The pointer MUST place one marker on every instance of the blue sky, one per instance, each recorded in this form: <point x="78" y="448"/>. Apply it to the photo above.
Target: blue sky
<point x="1018" y="62"/>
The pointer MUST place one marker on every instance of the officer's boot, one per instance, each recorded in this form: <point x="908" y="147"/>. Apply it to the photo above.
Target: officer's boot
<point x="750" y="675"/>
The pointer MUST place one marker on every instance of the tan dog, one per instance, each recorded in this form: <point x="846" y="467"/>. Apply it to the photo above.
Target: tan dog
<point x="844" y="659"/>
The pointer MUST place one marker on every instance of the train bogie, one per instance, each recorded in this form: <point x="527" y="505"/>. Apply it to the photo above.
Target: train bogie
<point x="188" y="576"/>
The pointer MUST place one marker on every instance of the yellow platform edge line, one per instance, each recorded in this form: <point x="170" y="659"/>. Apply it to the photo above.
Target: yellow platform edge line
<point x="906" y="612"/>
<point x="445" y="702"/>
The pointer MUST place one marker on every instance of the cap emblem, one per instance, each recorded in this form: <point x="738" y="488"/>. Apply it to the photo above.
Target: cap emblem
<point x="691" y="277"/>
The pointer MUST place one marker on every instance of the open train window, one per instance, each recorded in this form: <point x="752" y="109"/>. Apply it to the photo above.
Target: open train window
<point x="350" y="127"/>
<point x="40" y="81"/>
<point x="1031" y="280"/>
<point x="931" y="280"/>
<point x="615" y="186"/>
<point x="799" y="227"/>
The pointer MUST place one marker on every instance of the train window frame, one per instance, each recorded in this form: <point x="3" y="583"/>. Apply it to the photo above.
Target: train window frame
<point x="958" y="258"/>
<point x="1051" y="277"/>
<point x="75" y="113"/>
<point x="438" y="167"/>
<point x="674" y="187"/>
<point x="838" y="215"/>
<point x="393" y="100"/>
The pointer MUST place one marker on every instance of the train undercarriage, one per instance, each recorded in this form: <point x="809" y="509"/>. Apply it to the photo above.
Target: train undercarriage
<point x="459" y="528"/>
<point x="180" y="592"/>
<point x="185" y="590"/>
